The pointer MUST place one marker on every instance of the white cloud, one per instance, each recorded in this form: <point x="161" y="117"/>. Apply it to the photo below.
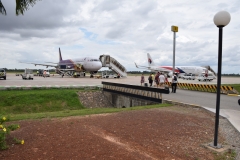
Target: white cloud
<point x="126" y="30"/>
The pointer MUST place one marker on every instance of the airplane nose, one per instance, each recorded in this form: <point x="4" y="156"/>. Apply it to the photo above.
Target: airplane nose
<point x="99" y="65"/>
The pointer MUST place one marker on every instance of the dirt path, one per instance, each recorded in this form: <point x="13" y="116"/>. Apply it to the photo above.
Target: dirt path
<point x="164" y="133"/>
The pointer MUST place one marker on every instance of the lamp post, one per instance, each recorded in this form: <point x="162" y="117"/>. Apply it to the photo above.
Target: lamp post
<point x="174" y="29"/>
<point x="221" y="19"/>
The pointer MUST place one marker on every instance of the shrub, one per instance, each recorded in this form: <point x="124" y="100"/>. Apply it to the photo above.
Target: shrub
<point x="5" y="130"/>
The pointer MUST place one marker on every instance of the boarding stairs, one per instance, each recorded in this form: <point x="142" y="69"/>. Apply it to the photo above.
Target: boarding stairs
<point x="210" y="69"/>
<point x="113" y="64"/>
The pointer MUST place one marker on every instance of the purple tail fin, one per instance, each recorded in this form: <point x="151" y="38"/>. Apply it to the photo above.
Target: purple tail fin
<point x="60" y="55"/>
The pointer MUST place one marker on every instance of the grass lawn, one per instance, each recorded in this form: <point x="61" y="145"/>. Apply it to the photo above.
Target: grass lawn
<point x="35" y="101"/>
<point x="40" y="103"/>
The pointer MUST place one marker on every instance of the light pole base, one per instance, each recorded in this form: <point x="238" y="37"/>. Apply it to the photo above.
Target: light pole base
<point x="219" y="148"/>
<point x="215" y="147"/>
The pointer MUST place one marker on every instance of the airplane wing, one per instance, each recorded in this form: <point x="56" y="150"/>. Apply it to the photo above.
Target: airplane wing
<point x="40" y="64"/>
<point x="142" y="67"/>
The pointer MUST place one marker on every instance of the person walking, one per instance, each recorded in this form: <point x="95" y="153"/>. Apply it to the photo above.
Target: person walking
<point x="150" y="80"/>
<point x="161" y="80"/>
<point x="153" y="76"/>
<point x="44" y="73"/>
<point x="174" y="83"/>
<point x="157" y="79"/>
<point x="142" y="79"/>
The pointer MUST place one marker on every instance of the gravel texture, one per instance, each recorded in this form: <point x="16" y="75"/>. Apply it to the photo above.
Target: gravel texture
<point x="169" y="133"/>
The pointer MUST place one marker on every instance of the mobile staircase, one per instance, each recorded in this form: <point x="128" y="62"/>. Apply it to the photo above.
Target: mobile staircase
<point x="113" y="64"/>
<point x="210" y="69"/>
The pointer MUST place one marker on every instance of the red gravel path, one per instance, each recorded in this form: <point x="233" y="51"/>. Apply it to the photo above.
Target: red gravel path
<point x="165" y="133"/>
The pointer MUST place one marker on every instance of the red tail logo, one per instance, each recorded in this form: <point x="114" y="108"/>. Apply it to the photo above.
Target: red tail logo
<point x="149" y="60"/>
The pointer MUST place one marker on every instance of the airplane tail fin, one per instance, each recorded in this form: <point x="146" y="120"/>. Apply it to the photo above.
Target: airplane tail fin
<point x="60" y="55"/>
<point x="136" y="65"/>
<point x="150" y="60"/>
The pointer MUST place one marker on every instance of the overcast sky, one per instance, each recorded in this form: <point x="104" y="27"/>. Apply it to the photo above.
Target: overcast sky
<point x="126" y="30"/>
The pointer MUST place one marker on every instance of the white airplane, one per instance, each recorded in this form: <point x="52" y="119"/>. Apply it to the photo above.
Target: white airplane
<point x="180" y="70"/>
<point x="70" y="66"/>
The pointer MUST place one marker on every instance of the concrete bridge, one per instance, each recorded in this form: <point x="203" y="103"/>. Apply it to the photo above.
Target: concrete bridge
<point x="125" y="95"/>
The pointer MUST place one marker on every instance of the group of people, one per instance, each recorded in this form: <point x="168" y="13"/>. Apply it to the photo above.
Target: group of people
<point x="160" y="80"/>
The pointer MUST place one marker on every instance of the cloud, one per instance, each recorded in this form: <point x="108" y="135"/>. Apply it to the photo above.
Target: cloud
<point x="126" y="30"/>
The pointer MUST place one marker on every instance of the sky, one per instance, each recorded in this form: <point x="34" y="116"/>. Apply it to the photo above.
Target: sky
<point x="125" y="30"/>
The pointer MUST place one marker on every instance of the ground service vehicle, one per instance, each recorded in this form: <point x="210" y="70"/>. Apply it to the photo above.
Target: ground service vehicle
<point x="28" y="74"/>
<point x="189" y="76"/>
<point x="203" y="77"/>
<point x="3" y="73"/>
<point x="109" y="74"/>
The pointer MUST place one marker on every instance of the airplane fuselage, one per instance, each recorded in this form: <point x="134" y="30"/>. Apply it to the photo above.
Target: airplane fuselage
<point x="181" y="70"/>
<point x="81" y="64"/>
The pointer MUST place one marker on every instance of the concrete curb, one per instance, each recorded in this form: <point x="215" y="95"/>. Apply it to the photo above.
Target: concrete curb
<point x="50" y="87"/>
<point x="233" y="95"/>
<point x="197" y="106"/>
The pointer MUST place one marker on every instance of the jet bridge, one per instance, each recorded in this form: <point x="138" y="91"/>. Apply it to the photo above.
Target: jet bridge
<point x="113" y="64"/>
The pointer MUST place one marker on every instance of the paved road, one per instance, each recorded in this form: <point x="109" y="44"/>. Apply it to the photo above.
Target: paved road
<point x="204" y="99"/>
<point x="229" y="107"/>
<point x="228" y="104"/>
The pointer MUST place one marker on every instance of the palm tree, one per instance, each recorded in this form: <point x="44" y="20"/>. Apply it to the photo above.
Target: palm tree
<point x="21" y="6"/>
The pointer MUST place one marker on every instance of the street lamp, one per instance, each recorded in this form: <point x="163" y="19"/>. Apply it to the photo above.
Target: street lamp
<point x="174" y="29"/>
<point x="221" y="19"/>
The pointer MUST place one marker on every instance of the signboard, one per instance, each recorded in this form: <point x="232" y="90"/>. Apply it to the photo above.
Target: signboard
<point x="174" y="28"/>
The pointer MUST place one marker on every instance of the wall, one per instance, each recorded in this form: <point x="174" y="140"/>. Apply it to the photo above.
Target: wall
<point x="121" y="101"/>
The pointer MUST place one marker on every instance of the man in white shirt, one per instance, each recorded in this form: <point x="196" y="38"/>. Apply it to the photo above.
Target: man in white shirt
<point x="161" y="80"/>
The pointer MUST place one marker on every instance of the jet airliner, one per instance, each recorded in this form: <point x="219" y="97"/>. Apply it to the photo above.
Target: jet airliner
<point x="70" y="66"/>
<point x="180" y="70"/>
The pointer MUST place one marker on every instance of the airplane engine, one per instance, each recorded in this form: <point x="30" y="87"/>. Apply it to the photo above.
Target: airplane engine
<point x="170" y="74"/>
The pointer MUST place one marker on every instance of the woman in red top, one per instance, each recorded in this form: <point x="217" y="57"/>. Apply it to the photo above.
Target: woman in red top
<point x="142" y="79"/>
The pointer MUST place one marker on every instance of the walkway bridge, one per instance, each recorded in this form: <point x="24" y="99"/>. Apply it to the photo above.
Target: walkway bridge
<point x="133" y="91"/>
<point x="113" y="64"/>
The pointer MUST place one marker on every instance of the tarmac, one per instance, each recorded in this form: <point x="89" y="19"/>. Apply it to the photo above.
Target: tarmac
<point x="229" y="107"/>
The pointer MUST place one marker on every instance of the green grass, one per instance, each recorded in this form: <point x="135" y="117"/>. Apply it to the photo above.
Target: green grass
<point x="229" y="155"/>
<point x="80" y="112"/>
<point x="35" y="101"/>
<point x="37" y="104"/>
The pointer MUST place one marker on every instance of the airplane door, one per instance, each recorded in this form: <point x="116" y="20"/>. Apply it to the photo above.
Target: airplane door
<point x="107" y="59"/>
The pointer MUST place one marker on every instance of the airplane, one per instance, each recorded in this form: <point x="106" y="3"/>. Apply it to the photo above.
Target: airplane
<point x="78" y="65"/>
<point x="179" y="70"/>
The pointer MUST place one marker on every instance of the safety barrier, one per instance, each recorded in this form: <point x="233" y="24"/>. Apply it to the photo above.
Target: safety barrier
<point x="203" y="87"/>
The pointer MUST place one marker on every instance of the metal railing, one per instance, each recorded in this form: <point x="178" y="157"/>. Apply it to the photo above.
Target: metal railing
<point x="141" y="92"/>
